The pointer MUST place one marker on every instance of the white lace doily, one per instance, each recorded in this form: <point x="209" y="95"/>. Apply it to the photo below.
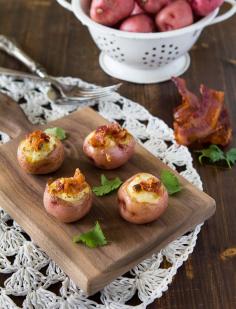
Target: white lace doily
<point x="31" y="274"/>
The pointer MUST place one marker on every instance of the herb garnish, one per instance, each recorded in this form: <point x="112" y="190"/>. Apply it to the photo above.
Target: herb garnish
<point x="57" y="132"/>
<point x="215" y="154"/>
<point x="107" y="186"/>
<point x="170" y="181"/>
<point x="93" y="238"/>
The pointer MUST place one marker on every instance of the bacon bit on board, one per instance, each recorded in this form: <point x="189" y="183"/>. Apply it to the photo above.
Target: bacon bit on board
<point x="37" y="139"/>
<point x="198" y="121"/>
<point x="70" y="185"/>
<point x="149" y="185"/>
<point x="113" y="130"/>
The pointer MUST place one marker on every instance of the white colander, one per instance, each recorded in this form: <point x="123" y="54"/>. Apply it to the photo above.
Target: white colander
<point x="144" y="57"/>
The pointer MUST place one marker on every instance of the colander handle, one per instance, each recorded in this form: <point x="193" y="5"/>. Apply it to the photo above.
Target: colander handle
<point x="66" y="4"/>
<point x="226" y="15"/>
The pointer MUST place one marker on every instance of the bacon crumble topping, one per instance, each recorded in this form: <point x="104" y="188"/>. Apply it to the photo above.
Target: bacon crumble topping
<point x="70" y="185"/>
<point x="114" y="131"/>
<point x="37" y="139"/>
<point x="149" y="185"/>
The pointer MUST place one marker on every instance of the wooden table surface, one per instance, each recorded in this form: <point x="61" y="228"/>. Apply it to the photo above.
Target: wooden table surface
<point x="51" y="35"/>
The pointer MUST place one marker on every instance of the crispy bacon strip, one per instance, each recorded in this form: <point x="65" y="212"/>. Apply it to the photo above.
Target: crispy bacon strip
<point x="201" y="121"/>
<point x="70" y="185"/>
<point x="113" y="130"/>
<point x="149" y="185"/>
<point x="37" y="139"/>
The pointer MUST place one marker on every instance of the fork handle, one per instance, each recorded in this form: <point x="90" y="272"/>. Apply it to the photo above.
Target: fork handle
<point x="11" y="48"/>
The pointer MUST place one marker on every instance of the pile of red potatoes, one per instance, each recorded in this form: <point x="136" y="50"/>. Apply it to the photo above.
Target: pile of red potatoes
<point x="150" y="15"/>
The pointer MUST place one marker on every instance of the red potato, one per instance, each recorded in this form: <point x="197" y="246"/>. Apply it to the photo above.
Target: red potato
<point x="142" y="199"/>
<point x="109" y="146"/>
<point x="153" y="6"/>
<point x="68" y="199"/>
<point x="40" y="153"/>
<point x="175" y="16"/>
<point x="138" y="23"/>
<point x="137" y="10"/>
<point x="109" y="13"/>
<point x="203" y="7"/>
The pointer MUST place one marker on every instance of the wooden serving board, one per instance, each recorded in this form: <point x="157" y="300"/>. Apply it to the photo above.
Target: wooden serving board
<point x="92" y="269"/>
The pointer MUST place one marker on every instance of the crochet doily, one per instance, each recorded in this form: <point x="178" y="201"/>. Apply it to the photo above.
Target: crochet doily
<point x="31" y="274"/>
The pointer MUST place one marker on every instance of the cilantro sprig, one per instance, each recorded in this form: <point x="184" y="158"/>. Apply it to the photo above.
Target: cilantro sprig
<point x="57" y="132"/>
<point x="170" y="181"/>
<point x="107" y="186"/>
<point x="93" y="238"/>
<point x="214" y="154"/>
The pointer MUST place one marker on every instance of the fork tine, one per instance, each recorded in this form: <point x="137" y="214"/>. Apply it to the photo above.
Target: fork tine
<point x="95" y="94"/>
<point x="77" y="100"/>
<point x="100" y="90"/>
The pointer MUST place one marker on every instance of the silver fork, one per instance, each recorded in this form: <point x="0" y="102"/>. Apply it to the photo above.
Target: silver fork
<point x="63" y="94"/>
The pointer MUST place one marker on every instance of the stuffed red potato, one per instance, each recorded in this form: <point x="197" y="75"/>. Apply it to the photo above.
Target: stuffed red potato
<point x="109" y="146"/>
<point x="142" y="199"/>
<point x="40" y="153"/>
<point x="68" y="199"/>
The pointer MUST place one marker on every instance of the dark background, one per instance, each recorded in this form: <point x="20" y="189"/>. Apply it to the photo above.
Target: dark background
<point x="53" y="37"/>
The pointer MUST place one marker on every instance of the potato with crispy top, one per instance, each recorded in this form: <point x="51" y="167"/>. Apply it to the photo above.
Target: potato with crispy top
<point x="142" y="199"/>
<point x="40" y="153"/>
<point x="109" y="146"/>
<point x="68" y="199"/>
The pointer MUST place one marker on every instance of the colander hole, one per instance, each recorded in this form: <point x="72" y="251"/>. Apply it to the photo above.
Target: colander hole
<point x="118" y="48"/>
<point x="176" y="47"/>
<point x="147" y="53"/>
<point x="154" y="48"/>
<point x="154" y="55"/>
<point x="162" y="51"/>
<point x="163" y="46"/>
<point x="145" y="62"/>
<point x="161" y="57"/>
<point x="144" y="58"/>
<point x="152" y="61"/>
<point x="122" y="55"/>
<point x="111" y="42"/>
<point x="177" y="53"/>
<point x="170" y="53"/>
<point x="171" y="45"/>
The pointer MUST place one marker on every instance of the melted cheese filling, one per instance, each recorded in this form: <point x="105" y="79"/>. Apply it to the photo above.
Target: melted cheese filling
<point x="34" y="156"/>
<point x="110" y="140"/>
<point x="142" y="196"/>
<point x="75" y="197"/>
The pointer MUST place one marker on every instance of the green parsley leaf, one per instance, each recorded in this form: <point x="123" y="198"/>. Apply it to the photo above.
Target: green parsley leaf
<point x="57" y="132"/>
<point x="93" y="238"/>
<point x="107" y="186"/>
<point x="230" y="157"/>
<point x="213" y="153"/>
<point x="170" y="181"/>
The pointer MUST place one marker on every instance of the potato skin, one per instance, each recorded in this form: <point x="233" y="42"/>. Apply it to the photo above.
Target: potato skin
<point x="140" y="213"/>
<point x="174" y="16"/>
<point x="153" y="6"/>
<point x="108" y="12"/>
<point x="203" y="7"/>
<point x="45" y="166"/>
<point x="138" y="23"/>
<point x="66" y="211"/>
<point x="137" y="10"/>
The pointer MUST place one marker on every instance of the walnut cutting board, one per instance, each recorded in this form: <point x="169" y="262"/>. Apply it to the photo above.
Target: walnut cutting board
<point x="92" y="269"/>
